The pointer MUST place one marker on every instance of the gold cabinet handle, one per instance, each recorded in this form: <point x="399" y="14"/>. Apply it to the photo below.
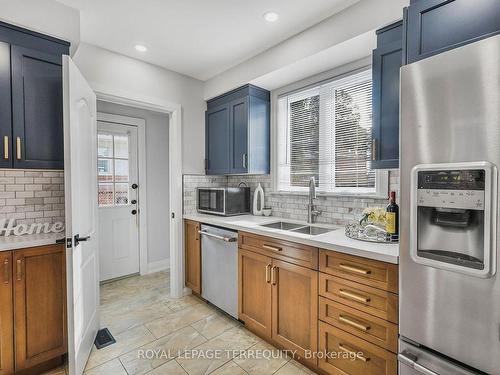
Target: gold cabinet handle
<point x="6" y="271"/>
<point x="268" y="273"/>
<point x="353" y="353"/>
<point x="353" y="323"/>
<point x="6" y="147"/>
<point x="350" y="268"/>
<point x="354" y="296"/>
<point x="19" y="265"/>
<point x="273" y="275"/>
<point x="272" y="248"/>
<point x="18" y="148"/>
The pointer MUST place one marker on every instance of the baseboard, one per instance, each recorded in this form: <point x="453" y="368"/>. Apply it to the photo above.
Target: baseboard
<point x="161" y="265"/>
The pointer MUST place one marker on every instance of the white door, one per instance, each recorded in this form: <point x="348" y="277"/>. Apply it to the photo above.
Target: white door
<point x="80" y="178"/>
<point x="118" y="200"/>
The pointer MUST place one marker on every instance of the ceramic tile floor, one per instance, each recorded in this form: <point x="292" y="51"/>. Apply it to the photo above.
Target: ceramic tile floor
<point x="145" y="320"/>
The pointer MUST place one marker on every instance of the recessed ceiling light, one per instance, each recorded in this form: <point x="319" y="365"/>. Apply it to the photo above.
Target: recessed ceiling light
<point x="140" y="48"/>
<point x="271" y="16"/>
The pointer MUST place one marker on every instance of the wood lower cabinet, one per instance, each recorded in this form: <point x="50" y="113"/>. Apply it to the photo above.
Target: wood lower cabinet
<point x="254" y="292"/>
<point x="358" y="313"/>
<point x="369" y="272"/>
<point x="33" y="328"/>
<point x="6" y="315"/>
<point x="348" y="354"/>
<point x="192" y="254"/>
<point x="294" y="308"/>
<point x="278" y="300"/>
<point x="368" y="327"/>
<point x="39" y="305"/>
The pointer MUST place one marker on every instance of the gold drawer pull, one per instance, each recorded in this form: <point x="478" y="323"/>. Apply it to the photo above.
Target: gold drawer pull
<point x="268" y="273"/>
<point x="349" y="268"/>
<point x="352" y="352"/>
<point x="18" y="148"/>
<point x="6" y="271"/>
<point x="6" y="148"/>
<point x="352" y="323"/>
<point x="273" y="275"/>
<point x="354" y="296"/>
<point x="272" y="248"/>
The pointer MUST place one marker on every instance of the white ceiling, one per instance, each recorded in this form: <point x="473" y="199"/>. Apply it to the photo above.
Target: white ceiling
<point x="199" y="38"/>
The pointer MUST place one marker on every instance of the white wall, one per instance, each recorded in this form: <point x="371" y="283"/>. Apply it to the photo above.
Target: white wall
<point x="45" y="16"/>
<point x="126" y="77"/>
<point x="349" y="24"/>
<point x="158" y="230"/>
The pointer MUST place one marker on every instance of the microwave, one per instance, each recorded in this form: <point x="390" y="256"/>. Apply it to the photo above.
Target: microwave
<point x="227" y="201"/>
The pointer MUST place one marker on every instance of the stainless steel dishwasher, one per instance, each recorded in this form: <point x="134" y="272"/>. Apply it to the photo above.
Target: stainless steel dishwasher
<point x="219" y="268"/>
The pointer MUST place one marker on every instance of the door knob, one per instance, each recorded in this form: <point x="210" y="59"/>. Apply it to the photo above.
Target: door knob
<point x="135" y="186"/>
<point x="134" y="212"/>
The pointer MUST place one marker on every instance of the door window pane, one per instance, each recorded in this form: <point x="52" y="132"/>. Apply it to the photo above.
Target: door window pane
<point x="104" y="145"/>
<point x="105" y="170"/>
<point x="121" y="146"/>
<point x="121" y="194"/>
<point x="113" y="169"/>
<point x="121" y="170"/>
<point x="105" y="194"/>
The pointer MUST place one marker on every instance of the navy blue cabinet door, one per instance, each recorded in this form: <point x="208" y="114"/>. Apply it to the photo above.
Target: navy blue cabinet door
<point x="217" y="140"/>
<point x="387" y="61"/>
<point x="37" y="109"/>
<point x="5" y="108"/>
<point x="435" y="26"/>
<point x="238" y="130"/>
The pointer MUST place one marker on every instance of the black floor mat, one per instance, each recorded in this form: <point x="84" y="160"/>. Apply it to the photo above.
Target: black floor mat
<point x="104" y="338"/>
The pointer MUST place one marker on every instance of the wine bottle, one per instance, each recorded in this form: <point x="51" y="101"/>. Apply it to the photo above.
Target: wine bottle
<point x="392" y="215"/>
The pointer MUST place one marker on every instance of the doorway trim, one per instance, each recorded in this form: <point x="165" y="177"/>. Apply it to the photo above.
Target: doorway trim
<point x="174" y="111"/>
<point x="140" y="124"/>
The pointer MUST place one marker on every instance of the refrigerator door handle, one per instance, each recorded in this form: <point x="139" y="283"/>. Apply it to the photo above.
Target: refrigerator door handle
<point x="414" y="365"/>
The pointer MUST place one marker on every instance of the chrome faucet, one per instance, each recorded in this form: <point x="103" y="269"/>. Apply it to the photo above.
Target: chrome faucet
<point x="311" y="209"/>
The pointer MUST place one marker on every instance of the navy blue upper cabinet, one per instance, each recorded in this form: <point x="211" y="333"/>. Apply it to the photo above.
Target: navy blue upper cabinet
<point x="37" y="109"/>
<point x="238" y="136"/>
<point x="217" y="140"/>
<point x="5" y="107"/>
<point x="31" y="88"/>
<point x="237" y="131"/>
<point x="435" y="26"/>
<point x="387" y="60"/>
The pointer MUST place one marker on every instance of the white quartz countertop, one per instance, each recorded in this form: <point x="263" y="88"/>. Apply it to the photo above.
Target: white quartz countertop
<point x="29" y="240"/>
<point x="334" y="240"/>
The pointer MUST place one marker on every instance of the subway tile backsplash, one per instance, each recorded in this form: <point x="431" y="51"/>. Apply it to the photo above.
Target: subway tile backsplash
<point x="337" y="210"/>
<point x="32" y="196"/>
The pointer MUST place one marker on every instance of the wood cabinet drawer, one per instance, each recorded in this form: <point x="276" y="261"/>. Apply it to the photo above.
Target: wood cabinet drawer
<point x="370" y="328"/>
<point x="370" y="272"/>
<point x="348" y="354"/>
<point x="291" y="252"/>
<point x="361" y="297"/>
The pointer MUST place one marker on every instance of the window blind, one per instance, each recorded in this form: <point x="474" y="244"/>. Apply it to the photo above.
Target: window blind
<point x="304" y="140"/>
<point x="327" y="134"/>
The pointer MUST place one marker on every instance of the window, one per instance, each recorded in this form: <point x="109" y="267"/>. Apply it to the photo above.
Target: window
<point x="325" y="132"/>
<point x="113" y="169"/>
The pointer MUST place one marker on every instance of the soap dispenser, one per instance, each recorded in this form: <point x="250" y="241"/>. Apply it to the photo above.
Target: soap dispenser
<point x="258" y="200"/>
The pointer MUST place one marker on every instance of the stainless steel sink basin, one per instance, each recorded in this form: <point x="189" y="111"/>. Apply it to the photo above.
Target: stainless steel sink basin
<point x="283" y="225"/>
<point x="313" y="231"/>
<point x="299" y="228"/>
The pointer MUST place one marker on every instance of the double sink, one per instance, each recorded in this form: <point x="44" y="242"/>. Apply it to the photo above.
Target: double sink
<point x="297" y="228"/>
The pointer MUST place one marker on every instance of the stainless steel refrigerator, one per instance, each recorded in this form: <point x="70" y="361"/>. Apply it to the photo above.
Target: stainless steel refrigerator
<point x="449" y="261"/>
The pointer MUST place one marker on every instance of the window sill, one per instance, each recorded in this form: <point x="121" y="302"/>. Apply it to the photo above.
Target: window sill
<point x="339" y="195"/>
